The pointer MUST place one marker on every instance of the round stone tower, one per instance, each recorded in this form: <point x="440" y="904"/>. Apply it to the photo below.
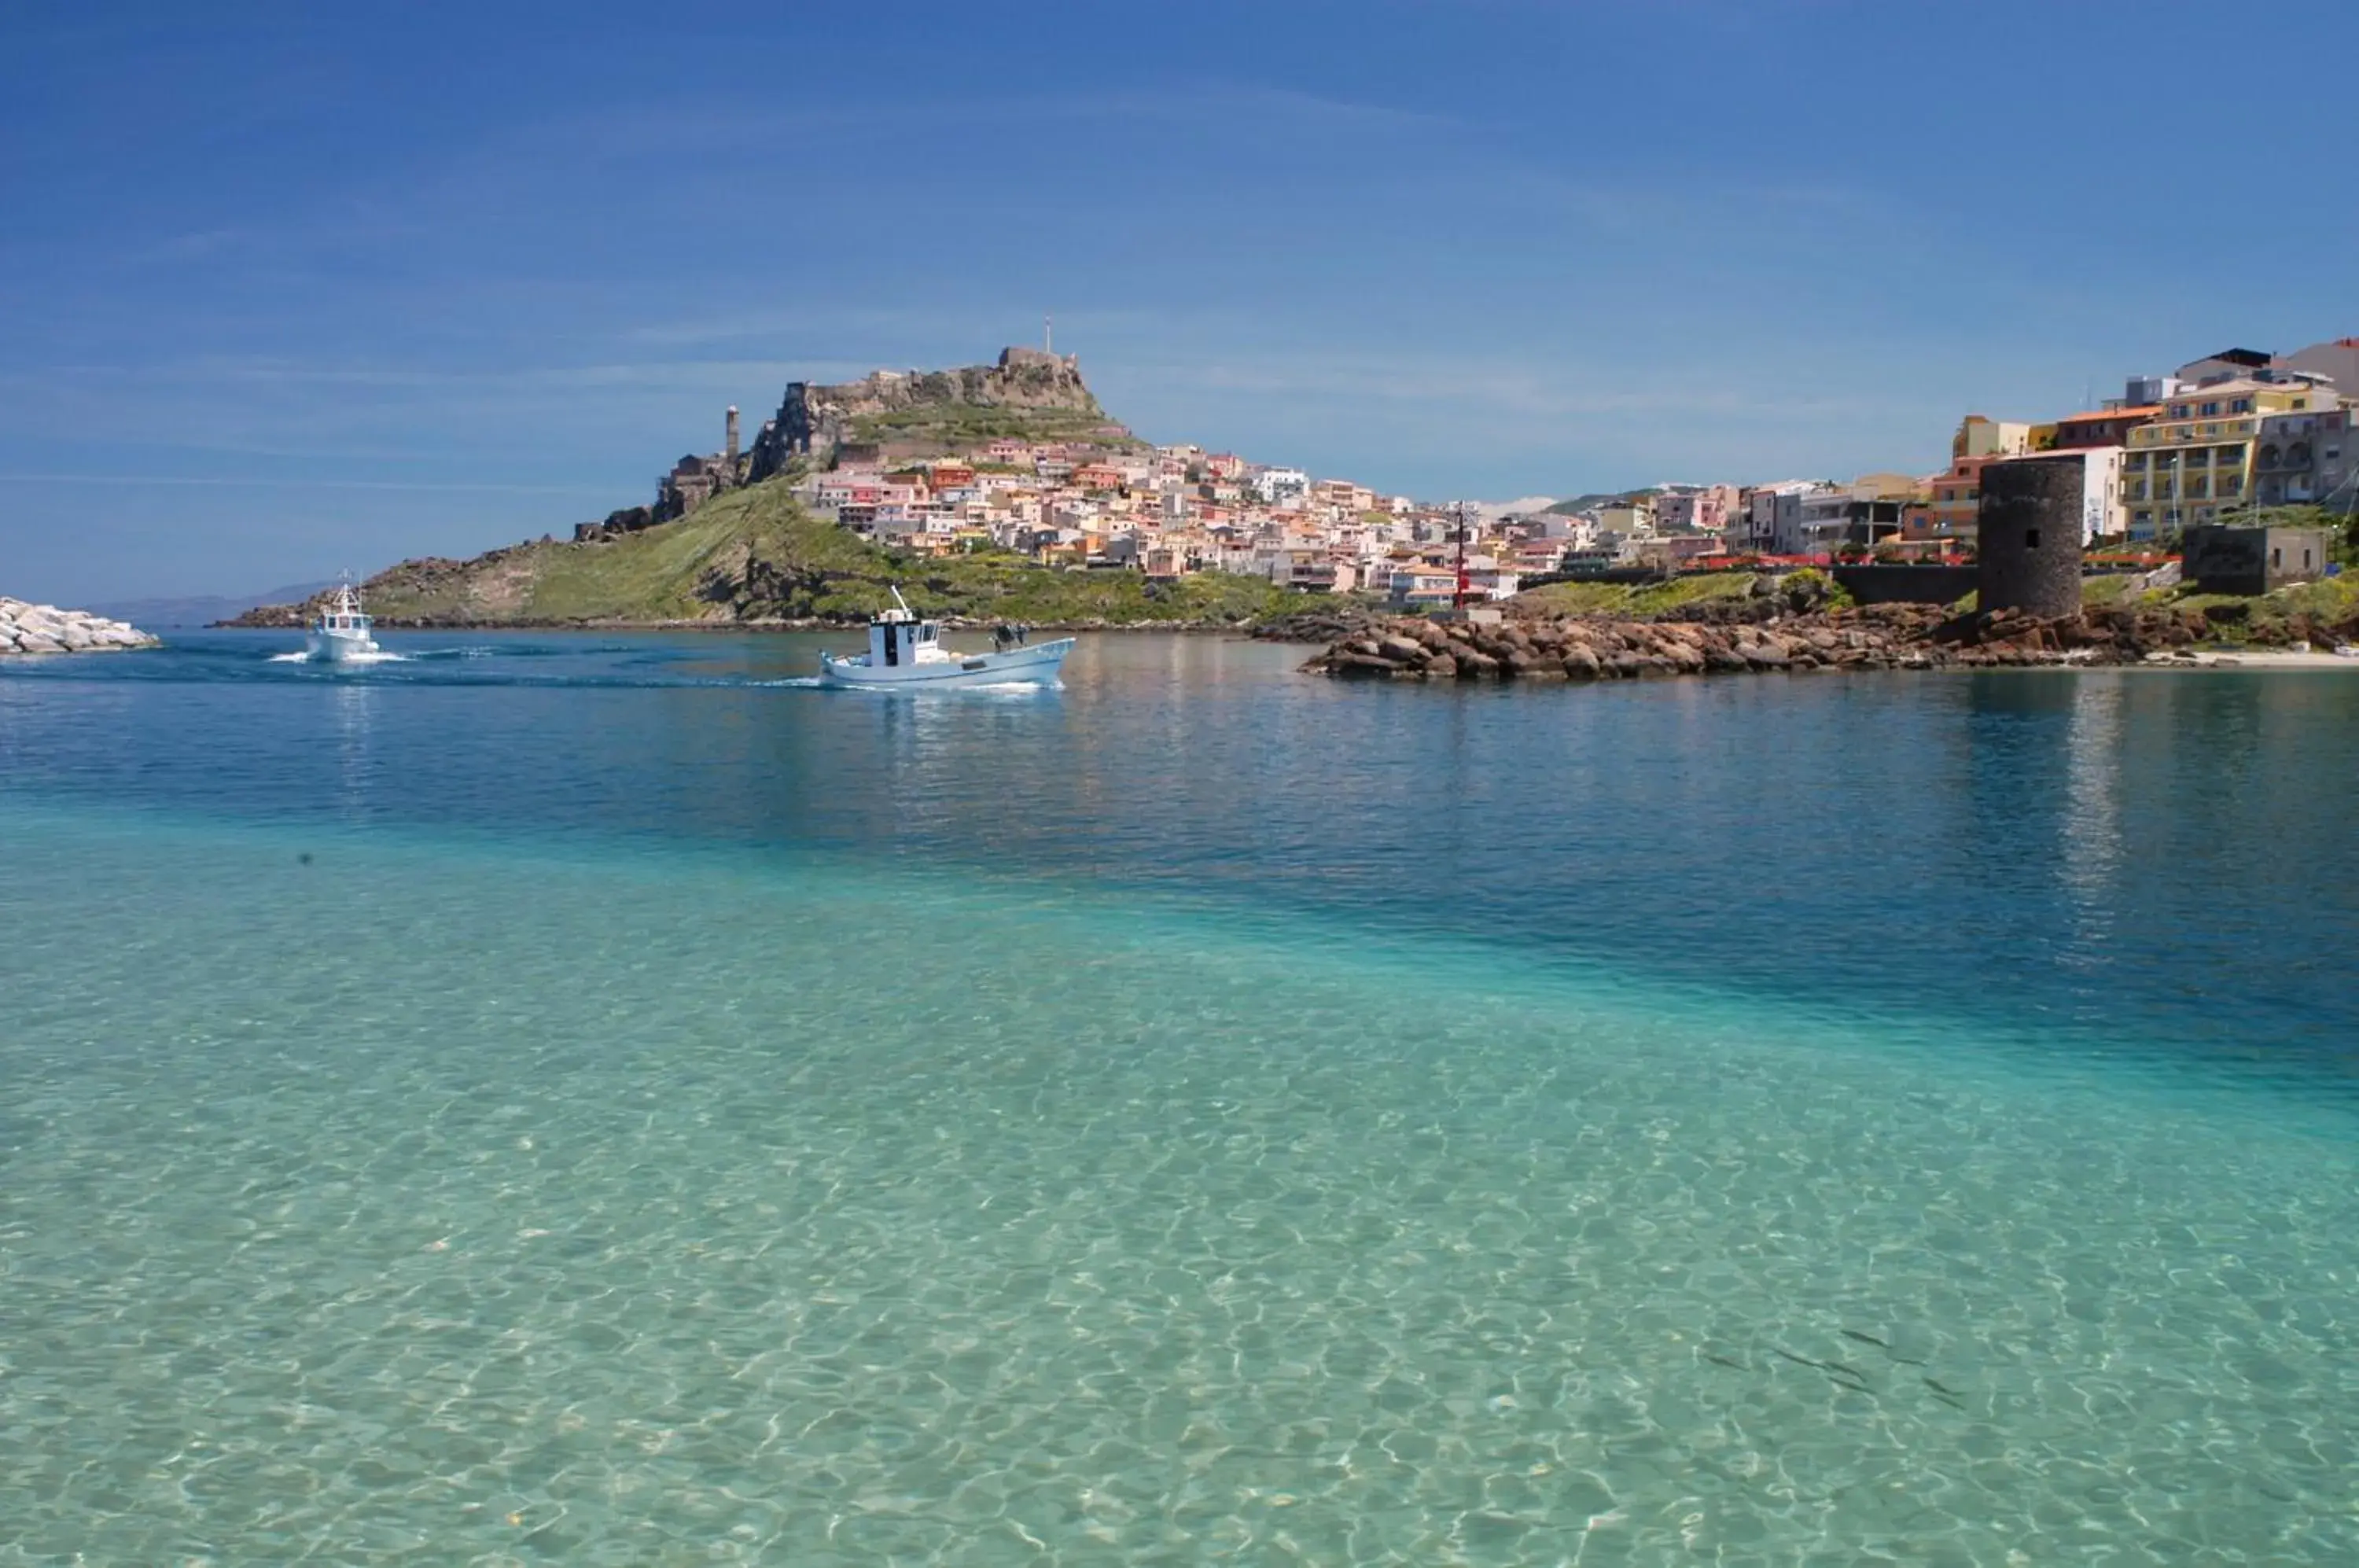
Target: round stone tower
<point x="2029" y="529"/>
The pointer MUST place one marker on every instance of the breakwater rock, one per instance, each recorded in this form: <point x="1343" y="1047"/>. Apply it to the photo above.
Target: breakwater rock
<point x="1881" y="637"/>
<point x="1338" y="624"/>
<point x="45" y="629"/>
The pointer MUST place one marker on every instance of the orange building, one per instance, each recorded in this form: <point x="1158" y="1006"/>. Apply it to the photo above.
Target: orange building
<point x="2106" y="427"/>
<point x="1957" y="502"/>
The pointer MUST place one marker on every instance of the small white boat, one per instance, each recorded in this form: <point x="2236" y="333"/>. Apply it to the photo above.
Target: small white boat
<point x="906" y="653"/>
<point x="340" y="634"/>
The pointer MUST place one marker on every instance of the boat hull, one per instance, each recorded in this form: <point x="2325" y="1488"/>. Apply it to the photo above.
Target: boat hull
<point x="338" y="647"/>
<point x="1037" y="665"/>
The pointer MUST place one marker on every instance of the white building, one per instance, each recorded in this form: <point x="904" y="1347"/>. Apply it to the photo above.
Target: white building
<point x="1275" y="486"/>
<point x="2103" y="511"/>
<point x="1771" y="513"/>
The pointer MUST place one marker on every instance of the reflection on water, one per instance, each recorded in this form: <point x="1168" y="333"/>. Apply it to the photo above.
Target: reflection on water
<point x="2093" y="828"/>
<point x="2059" y="851"/>
<point x="348" y="708"/>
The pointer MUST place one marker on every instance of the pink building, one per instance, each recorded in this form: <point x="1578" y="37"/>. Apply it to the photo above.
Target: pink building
<point x="1708" y="508"/>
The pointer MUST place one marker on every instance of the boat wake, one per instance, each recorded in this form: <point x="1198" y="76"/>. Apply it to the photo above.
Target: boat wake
<point x="299" y="657"/>
<point x="931" y="691"/>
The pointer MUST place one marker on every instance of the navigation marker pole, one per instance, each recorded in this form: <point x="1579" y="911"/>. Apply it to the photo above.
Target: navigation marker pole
<point x="1458" y="599"/>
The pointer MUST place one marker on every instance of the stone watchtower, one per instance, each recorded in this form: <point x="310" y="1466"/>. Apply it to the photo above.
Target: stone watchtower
<point x="2028" y="544"/>
<point x="729" y="455"/>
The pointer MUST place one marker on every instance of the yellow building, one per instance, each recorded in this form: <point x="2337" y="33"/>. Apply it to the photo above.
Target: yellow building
<point x="1633" y="517"/>
<point x="1888" y="488"/>
<point x="1979" y="437"/>
<point x="2195" y="462"/>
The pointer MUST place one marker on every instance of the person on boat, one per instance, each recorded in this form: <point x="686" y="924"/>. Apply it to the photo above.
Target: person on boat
<point x="1023" y="633"/>
<point x="1002" y="635"/>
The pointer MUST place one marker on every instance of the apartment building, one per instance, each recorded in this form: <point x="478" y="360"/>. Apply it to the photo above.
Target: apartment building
<point x="2309" y="458"/>
<point x="2195" y="462"/>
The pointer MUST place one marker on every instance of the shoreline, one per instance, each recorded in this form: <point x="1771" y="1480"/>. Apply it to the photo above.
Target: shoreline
<point x="2250" y="659"/>
<point x="1238" y="628"/>
<point x="1580" y="649"/>
<point x="2076" y="658"/>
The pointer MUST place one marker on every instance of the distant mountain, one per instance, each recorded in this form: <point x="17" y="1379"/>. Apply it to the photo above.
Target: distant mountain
<point x="202" y="610"/>
<point x="1578" y="504"/>
<point x="1527" y="507"/>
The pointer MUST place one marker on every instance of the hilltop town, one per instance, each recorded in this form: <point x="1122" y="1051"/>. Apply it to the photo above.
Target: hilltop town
<point x="1007" y="490"/>
<point x="2212" y="440"/>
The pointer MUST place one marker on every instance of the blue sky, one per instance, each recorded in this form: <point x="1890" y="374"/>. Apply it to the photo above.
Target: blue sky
<point x="295" y="288"/>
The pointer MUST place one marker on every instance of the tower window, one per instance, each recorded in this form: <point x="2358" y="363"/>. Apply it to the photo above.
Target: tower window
<point x="2031" y="539"/>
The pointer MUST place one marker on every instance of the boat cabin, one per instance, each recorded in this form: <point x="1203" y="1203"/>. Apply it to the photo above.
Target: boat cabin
<point x="897" y="637"/>
<point x="342" y="613"/>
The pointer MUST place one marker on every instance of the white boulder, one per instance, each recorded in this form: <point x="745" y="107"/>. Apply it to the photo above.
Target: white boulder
<point x="44" y="628"/>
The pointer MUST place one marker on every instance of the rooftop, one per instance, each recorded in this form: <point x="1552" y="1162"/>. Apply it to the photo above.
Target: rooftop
<point x="2146" y="410"/>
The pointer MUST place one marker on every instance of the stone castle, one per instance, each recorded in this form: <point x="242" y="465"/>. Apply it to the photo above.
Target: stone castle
<point x="818" y="423"/>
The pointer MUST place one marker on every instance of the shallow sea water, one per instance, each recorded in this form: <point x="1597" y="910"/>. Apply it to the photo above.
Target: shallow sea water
<point x="508" y="1185"/>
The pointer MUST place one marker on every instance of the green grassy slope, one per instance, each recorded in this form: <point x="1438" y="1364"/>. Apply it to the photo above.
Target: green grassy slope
<point x="959" y="427"/>
<point x="754" y="555"/>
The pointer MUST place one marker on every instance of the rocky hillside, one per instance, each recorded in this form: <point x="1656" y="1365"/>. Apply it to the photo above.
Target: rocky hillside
<point x="1028" y="394"/>
<point x="753" y="556"/>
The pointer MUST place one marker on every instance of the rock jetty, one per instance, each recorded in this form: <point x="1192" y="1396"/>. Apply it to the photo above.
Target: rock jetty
<point x="45" y="629"/>
<point x="1524" y="646"/>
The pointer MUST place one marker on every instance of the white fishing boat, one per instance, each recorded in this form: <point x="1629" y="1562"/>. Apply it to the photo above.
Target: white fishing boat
<point x="340" y="633"/>
<point x="906" y="653"/>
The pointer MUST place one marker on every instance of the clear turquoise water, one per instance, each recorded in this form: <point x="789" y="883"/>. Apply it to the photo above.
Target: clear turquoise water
<point x="1203" y="1115"/>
